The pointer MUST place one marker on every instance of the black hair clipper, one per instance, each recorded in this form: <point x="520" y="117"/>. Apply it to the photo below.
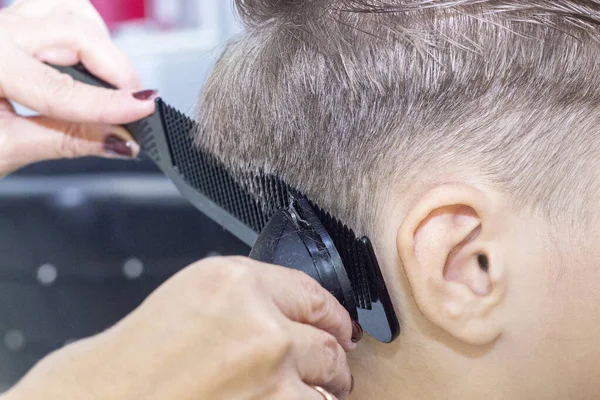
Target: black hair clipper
<point x="282" y="228"/>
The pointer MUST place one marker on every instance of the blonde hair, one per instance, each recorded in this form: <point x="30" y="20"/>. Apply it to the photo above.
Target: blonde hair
<point x="344" y="99"/>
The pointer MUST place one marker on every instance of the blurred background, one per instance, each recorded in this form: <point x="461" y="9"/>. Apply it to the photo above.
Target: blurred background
<point x="83" y="242"/>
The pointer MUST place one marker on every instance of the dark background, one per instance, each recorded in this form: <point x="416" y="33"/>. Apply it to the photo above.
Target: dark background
<point x="82" y="243"/>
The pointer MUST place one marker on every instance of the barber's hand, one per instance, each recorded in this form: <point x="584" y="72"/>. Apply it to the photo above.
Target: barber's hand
<point x="225" y="328"/>
<point x="77" y="119"/>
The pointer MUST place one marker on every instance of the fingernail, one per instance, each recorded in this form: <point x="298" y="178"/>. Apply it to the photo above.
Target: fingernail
<point x="357" y="332"/>
<point x="351" y="383"/>
<point x="117" y="147"/>
<point x="145" y="95"/>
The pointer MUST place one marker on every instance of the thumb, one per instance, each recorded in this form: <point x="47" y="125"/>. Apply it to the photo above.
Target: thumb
<point x="32" y="139"/>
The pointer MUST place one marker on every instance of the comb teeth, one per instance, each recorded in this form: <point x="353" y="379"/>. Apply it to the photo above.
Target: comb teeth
<point x="206" y="174"/>
<point x="256" y="205"/>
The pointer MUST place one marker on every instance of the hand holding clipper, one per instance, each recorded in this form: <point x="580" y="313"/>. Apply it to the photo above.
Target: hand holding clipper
<point x="223" y="328"/>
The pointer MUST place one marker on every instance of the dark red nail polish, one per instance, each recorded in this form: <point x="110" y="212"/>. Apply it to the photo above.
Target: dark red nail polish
<point x="357" y="332"/>
<point x="118" y="147"/>
<point x="145" y="95"/>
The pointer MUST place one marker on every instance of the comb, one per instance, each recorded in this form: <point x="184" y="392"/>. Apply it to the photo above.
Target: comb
<point x="166" y="137"/>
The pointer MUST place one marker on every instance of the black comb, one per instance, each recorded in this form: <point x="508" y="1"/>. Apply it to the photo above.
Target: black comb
<point x="166" y="137"/>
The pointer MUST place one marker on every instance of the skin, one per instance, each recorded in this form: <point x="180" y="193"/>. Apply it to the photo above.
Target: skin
<point x="527" y="328"/>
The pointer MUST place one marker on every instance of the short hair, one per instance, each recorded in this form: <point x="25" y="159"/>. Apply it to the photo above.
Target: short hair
<point x="350" y="100"/>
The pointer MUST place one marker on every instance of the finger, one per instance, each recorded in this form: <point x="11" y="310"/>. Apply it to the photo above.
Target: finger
<point x="58" y="56"/>
<point x="325" y="394"/>
<point x="100" y="56"/>
<point x="304" y="391"/>
<point x="304" y="300"/>
<point x="32" y="139"/>
<point x="320" y="360"/>
<point x="86" y="43"/>
<point x="301" y="299"/>
<point x="301" y="391"/>
<point x="106" y="61"/>
<point x="47" y="91"/>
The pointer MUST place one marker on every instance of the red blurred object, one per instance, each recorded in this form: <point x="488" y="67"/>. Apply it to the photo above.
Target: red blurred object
<point x="115" y="12"/>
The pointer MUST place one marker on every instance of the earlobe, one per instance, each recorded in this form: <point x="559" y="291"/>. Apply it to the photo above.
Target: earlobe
<point x="452" y="262"/>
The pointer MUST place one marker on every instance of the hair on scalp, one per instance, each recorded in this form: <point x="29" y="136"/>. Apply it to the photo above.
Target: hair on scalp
<point x="351" y="100"/>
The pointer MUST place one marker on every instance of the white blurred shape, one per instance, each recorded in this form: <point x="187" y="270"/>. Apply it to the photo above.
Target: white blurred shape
<point x="133" y="268"/>
<point x="47" y="274"/>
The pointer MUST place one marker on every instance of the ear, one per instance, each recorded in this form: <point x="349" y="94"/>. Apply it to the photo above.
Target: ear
<point x="449" y="246"/>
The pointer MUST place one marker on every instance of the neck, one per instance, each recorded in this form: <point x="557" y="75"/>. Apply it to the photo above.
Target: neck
<point x="421" y="370"/>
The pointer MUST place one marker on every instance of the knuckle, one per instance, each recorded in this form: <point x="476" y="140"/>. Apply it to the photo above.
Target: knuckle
<point x="272" y="346"/>
<point x="237" y="260"/>
<point x="322" y="306"/>
<point x="340" y="321"/>
<point x="70" y="145"/>
<point x="107" y="110"/>
<point x="220" y="266"/>
<point x="319" y="304"/>
<point x="279" y="336"/>
<point x="280" y="343"/>
<point x="234" y="270"/>
<point x="207" y="262"/>
<point x="58" y="89"/>
<point x="221" y="273"/>
<point x="334" y="356"/>
<point x="63" y="83"/>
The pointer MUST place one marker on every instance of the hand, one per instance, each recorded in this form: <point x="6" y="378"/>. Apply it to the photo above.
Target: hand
<point x="224" y="328"/>
<point x="76" y="119"/>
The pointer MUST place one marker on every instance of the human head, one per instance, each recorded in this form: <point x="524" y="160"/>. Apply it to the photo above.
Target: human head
<point x="462" y="137"/>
